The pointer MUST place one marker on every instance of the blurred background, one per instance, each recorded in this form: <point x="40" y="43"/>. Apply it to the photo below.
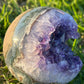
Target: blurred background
<point x="10" y="9"/>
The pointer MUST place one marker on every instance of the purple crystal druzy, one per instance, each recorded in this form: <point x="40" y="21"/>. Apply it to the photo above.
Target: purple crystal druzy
<point x="47" y="58"/>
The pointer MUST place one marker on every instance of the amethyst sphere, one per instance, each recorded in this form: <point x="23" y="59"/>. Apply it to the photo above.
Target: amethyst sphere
<point x="35" y="47"/>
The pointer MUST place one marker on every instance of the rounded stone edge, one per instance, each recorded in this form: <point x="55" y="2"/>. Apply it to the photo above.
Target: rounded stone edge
<point x="7" y="43"/>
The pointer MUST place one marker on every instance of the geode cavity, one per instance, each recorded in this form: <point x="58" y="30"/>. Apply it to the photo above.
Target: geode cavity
<point x="37" y="49"/>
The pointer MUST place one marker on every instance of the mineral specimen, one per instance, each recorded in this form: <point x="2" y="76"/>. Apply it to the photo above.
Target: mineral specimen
<point x="35" y="47"/>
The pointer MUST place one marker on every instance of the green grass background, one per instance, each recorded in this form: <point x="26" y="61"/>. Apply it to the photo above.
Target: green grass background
<point x="9" y="9"/>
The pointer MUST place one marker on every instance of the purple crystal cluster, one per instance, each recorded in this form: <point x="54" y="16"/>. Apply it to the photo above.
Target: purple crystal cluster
<point x="47" y="57"/>
<point x="59" y="51"/>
